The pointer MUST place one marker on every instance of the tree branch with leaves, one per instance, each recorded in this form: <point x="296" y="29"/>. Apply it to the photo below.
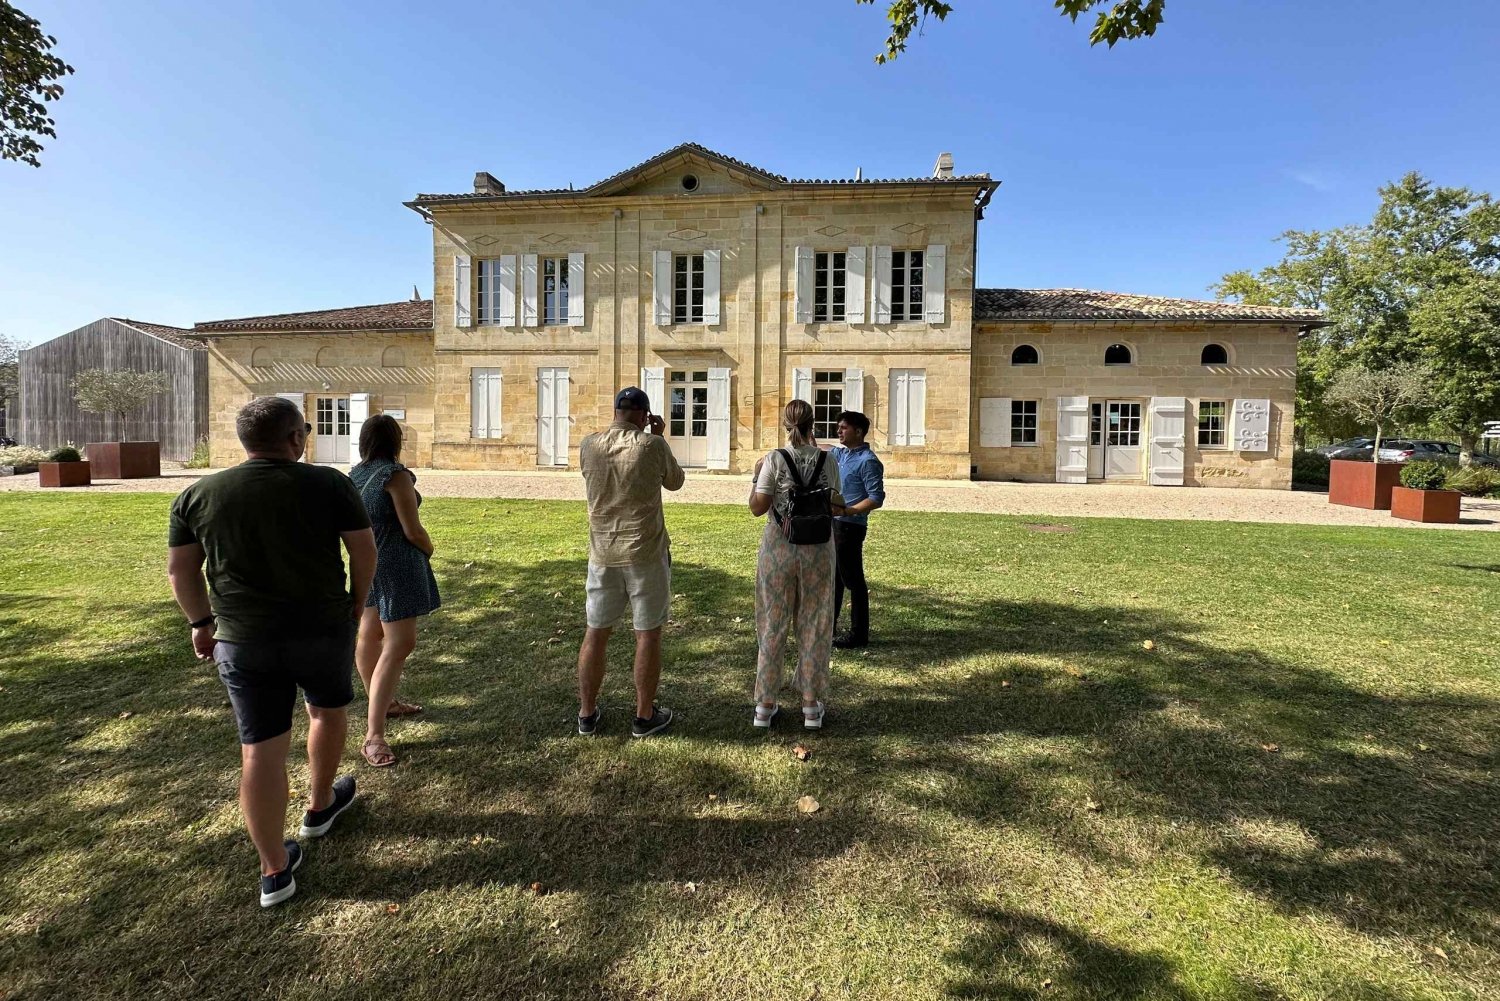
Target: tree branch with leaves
<point x="1379" y="396"/>
<point x="1114" y="20"/>
<point x="28" y="81"/>
<point x="101" y="391"/>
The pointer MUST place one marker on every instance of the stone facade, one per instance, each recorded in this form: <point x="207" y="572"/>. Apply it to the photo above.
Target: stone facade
<point x="396" y="369"/>
<point x="1166" y="360"/>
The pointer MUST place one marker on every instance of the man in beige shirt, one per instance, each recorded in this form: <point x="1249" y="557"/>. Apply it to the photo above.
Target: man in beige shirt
<point x="625" y="467"/>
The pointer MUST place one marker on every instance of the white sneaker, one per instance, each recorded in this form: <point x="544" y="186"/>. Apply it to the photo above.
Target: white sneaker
<point x="764" y="716"/>
<point x="812" y="716"/>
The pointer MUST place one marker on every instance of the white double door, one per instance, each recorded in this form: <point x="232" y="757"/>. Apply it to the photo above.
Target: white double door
<point x="552" y="418"/>
<point x="687" y="416"/>
<point x="1115" y="450"/>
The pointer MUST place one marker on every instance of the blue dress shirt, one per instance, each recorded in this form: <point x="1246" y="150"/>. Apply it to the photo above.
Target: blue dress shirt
<point x="861" y="476"/>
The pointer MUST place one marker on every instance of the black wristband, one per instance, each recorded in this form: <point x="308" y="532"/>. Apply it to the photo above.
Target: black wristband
<point x="201" y="623"/>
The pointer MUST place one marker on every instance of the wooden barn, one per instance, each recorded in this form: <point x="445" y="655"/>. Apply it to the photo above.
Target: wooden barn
<point x="178" y="418"/>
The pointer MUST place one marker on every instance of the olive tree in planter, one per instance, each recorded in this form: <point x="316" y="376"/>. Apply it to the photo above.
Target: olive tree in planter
<point x="1373" y="395"/>
<point x="1423" y="495"/>
<point x="101" y="391"/>
<point x="64" y="468"/>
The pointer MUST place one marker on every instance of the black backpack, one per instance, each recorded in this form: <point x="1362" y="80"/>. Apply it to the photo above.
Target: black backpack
<point x="810" y="522"/>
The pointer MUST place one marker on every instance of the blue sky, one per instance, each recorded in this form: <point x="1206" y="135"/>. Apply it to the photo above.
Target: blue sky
<point x="220" y="160"/>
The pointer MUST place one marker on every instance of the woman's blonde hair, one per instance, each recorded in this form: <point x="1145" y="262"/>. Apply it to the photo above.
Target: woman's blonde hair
<point x="797" y="418"/>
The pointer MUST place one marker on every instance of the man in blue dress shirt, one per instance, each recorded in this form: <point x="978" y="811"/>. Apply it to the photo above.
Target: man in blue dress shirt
<point x="862" y="482"/>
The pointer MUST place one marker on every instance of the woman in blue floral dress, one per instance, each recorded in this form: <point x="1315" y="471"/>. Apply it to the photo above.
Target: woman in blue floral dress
<point x="404" y="586"/>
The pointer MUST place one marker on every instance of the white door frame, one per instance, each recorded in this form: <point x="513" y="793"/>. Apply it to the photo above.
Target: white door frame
<point x="331" y="427"/>
<point x="1124" y="461"/>
<point x="690" y="449"/>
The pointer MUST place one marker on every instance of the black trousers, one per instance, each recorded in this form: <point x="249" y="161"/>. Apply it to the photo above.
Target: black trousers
<point x="849" y="550"/>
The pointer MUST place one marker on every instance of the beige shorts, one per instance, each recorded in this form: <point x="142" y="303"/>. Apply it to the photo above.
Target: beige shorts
<point x="645" y="587"/>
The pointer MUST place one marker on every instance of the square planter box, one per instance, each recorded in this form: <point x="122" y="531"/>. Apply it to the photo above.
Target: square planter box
<point x="64" y="474"/>
<point x="1362" y="484"/>
<point x="1439" y="507"/>
<point x="125" y="460"/>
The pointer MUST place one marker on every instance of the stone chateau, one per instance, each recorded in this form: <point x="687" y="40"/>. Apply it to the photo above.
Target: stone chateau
<point x="724" y="291"/>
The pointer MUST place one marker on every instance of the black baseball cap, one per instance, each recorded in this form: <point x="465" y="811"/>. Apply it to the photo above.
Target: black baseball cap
<point x="631" y="398"/>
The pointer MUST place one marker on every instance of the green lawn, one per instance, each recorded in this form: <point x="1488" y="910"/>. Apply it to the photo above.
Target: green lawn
<point x="1293" y="794"/>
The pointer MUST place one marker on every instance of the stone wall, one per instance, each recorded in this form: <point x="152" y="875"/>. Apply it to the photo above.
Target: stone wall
<point x="1166" y="361"/>
<point x="396" y="369"/>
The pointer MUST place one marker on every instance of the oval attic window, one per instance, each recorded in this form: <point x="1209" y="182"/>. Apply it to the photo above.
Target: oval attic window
<point x="689" y="182"/>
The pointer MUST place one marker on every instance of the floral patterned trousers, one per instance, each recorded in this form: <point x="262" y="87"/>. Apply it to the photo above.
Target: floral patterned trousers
<point x="793" y="585"/>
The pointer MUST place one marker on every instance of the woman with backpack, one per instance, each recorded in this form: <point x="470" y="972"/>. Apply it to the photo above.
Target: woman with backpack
<point x="799" y="487"/>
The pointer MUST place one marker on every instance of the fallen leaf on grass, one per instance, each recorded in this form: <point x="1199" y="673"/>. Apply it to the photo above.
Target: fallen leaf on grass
<point x="126" y="715"/>
<point x="1385" y="642"/>
<point x="1092" y="805"/>
<point x="557" y="594"/>
<point x="1270" y="748"/>
<point x="808" y="805"/>
<point x="801" y="752"/>
<point x="690" y="887"/>
<point x="392" y="908"/>
<point x="738" y="618"/>
<point x="1004" y="684"/>
<point x="1149" y="645"/>
<point x="712" y="796"/>
<point x="1436" y="951"/>
<point x="1423" y="748"/>
<point x="538" y="889"/>
<point x="1046" y="984"/>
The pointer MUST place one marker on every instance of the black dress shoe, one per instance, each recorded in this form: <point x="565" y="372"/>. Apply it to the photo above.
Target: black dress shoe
<point x="847" y="642"/>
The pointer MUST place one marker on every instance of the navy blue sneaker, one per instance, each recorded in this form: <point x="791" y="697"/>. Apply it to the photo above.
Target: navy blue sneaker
<point x="280" y="885"/>
<point x="315" y="823"/>
<point x="589" y="725"/>
<point x="659" y="720"/>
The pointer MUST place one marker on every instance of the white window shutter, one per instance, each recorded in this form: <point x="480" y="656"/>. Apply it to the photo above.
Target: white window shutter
<point x="359" y="412"/>
<point x="916" y="407"/>
<point x="463" y="291"/>
<point x="544" y="408"/>
<point x="935" y="283"/>
<point x="575" y="290"/>
<point x="854" y="285"/>
<point x="1252" y="425"/>
<point x="1072" y="439"/>
<point x="478" y="421"/>
<point x="802" y="384"/>
<point x="562" y="417"/>
<point x="994" y="422"/>
<point x="718" y="418"/>
<point x="854" y="389"/>
<point x="802" y="311"/>
<point x="899" y="398"/>
<point x="529" y="317"/>
<point x="711" y="269"/>
<point x="495" y="428"/>
<point x="661" y="280"/>
<point x="1168" y="437"/>
<point x="880" y="288"/>
<point x="507" y="311"/>
<point x="654" y="383"/>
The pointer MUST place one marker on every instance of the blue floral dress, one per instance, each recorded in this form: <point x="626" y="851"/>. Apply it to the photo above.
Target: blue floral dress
<point x="404" y="585"/>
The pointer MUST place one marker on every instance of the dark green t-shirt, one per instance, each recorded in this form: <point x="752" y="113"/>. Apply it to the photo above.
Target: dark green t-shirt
<point x="270" y="531"/>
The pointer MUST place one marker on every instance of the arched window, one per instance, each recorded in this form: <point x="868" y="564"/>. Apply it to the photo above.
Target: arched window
<point x="1117" y="354"/>
<point x="1024" y="354"/>
<point x="392" y="358"/>
<point x="327" y="357"/>
<point x="1215" y="354"/>
<point x="260" y="358"/>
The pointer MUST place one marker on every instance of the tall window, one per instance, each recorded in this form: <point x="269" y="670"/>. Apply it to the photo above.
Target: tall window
<point x="828" y="403"/>
<point x="828" y="286"/>
<point x="489" y="292"/>
<point x="1023" y="422"/>
<point x="906" y="284"/>
<point x="687" y="288"/>
<point x="1213" y="424"/>
<point x="1096" y="424"/>
<point x="555" y="290"/>
<point x="687" y="404"/>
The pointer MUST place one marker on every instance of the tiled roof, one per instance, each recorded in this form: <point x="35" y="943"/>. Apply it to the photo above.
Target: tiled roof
<point x="412" y="314"/>
<point x="777" y="180"/>
<point x="1083" y="304"/>
<point x="177" y="336"/>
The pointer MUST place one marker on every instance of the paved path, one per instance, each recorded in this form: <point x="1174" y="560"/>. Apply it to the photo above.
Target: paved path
<point x="1036" y="499"/>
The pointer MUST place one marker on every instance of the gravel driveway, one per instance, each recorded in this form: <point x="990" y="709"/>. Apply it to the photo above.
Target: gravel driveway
<point x="1038" y="499"/>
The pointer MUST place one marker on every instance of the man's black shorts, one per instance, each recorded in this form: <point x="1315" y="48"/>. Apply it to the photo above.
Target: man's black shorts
<point x="263" y="678"/>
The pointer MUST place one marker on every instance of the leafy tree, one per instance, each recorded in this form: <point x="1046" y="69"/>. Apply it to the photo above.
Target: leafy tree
<point x="1114" y="20"/>
<point x="1417" y="283"/>
<point x="10" y="376"/>
<point x="28" y="75"/>
<point x="101" y="391"/>
<point x="1380" y="395"/>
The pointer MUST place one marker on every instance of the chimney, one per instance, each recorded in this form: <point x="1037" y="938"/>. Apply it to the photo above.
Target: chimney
<point x="486" y="184"/>
<point x="944" y="165"/>
<point x="415" y="295"/>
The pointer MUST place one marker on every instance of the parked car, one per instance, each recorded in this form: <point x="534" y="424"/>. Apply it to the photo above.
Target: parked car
<point x="1409" y="450"/>
<point x="1452" y="451"/>
<point x="1339" y="446"/>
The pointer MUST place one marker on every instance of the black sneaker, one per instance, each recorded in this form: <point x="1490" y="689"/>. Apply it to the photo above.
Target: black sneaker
<point x="659" y="721"/>
<point x="315" y="823"/>
<point x="589" y="725"/>
<point x="280" y="885"/>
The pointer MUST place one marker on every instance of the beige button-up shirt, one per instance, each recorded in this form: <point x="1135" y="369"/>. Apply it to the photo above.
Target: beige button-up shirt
<point x="624" y="470"/>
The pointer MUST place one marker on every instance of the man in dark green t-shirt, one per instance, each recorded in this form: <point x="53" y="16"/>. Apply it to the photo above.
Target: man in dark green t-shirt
<point x="277" y="615"/>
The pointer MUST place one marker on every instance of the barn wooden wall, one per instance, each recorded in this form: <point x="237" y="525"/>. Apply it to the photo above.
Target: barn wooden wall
<point x="49" y="416"/>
